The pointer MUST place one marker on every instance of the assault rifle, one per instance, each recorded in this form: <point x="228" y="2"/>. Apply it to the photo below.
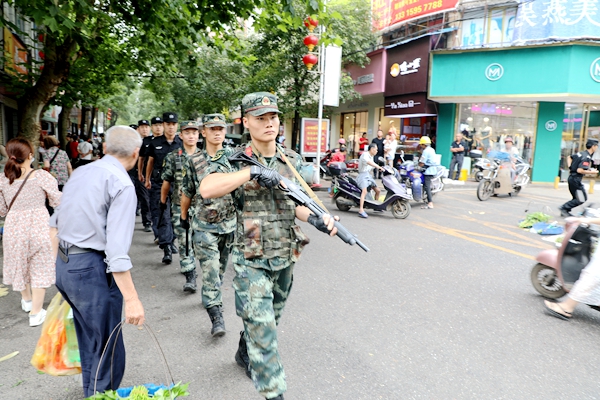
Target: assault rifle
<point x="298" y="196"/>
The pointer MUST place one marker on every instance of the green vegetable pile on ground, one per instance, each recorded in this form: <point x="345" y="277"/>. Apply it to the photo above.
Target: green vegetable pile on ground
<point x="141" y="393"/>
<point x="534" y="218"/>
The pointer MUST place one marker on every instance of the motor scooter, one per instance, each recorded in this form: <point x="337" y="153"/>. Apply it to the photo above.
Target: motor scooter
<point x="414" y="179"/>
<point x="558" y="269"/>
<point x="499" y="179"/>
<point x="346" y="192"/>
<point x="482" y="168"/>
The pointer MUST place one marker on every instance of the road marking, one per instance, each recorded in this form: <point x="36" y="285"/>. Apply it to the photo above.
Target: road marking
<point x="453" y="232"/>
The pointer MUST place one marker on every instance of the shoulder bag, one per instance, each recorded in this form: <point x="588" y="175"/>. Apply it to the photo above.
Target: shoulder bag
<point x="18" y="191"/>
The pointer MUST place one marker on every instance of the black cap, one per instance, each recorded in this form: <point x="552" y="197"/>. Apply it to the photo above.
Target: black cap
<point x="156" y="120"/>
<point x="143" y="122"/>
<point x="170" y="117"/>
<point x="133" y="126"/>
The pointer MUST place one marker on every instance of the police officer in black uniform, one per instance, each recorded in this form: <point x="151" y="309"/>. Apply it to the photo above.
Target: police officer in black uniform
<point x="137" y="174"/>
<point x="141" y="167"/>
<point x="157" y="151"/>
<point x="581" y="164"/>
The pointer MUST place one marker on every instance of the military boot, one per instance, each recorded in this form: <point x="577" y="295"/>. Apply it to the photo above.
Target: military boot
<point x="280" y="397"/>
<point x="168" y="257"/>
<point x="241" y="357"/>
<point x="174" y="248"/>
<point x="190" y="281"/>
<point x="218" y="324"/>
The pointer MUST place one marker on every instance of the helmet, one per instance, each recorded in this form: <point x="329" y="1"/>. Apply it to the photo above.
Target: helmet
<point x="342" y="141"/>
<point x="425" y="140"/>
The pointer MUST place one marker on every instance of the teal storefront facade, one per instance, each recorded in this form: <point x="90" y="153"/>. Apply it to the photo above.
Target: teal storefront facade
<point x="546" y="98"/>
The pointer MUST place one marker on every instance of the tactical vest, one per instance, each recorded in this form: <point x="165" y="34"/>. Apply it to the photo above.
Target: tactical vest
<point x="266" y="226"/>
<point x="211" y="211"/>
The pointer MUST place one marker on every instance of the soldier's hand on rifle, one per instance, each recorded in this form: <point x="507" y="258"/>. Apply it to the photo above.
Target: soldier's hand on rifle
<point x="265" y="177"/>
<point x="162" y="206"/>
<point x="184" y="223"/>
<point x="324" y="224"/>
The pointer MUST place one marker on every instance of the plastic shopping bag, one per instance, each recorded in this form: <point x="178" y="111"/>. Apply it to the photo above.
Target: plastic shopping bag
<point x="57" y="352"/>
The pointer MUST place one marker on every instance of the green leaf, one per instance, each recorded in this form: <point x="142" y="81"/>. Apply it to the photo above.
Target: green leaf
<point x="282" y="28"/>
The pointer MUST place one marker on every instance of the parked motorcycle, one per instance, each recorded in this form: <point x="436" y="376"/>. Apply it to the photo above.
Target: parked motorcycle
<point x="558" y="269"/>
<point x="500" y="179"/>
<point x="347" y="192"/>
<point x="413" y="178"/>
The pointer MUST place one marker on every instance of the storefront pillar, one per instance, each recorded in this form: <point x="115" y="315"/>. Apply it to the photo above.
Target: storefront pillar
<point x="546" y="157"/>
<point x="445" y="131"/>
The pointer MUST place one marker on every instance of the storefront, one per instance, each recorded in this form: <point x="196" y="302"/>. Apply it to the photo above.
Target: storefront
<point x="544" y="97"/>
<point x="351" y="119"/>
<point x="407" y="111"/>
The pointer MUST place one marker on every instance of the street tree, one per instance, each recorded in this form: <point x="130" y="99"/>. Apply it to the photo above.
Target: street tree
<point x="153" y="35"/>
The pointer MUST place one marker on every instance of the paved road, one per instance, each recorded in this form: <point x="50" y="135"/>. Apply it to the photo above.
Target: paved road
<point x="441" y="308"/>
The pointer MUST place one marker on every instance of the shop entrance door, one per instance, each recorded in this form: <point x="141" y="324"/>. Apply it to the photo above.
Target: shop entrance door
<point x="591" y="119"/>
<point x="353" y="125"/>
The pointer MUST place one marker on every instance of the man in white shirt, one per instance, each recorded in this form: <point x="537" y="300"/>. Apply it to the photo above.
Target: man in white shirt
<point x="85" y="149"/>
<point x="365" y="179"/>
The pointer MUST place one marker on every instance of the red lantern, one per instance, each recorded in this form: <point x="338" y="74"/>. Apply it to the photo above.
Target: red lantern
<point x="41" y="37"/>
<point x="41" y="54"/>
<point x="311" y="41"/>
<point x="309" y="60"/>
<point x="311" y="23"/>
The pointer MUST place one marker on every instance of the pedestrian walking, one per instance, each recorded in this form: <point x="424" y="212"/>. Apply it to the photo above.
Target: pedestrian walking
<point x="94" y="232"/>
<point x="428" y="162"/>
<point x="172" y="176"/>
<point x="137" y="172"/>
<point x="56" y="161"/>
<point x="268" y="241"/>
<point x="212" y="221"/>
<point x="581" y="165"/>
<point x="84" y="149"/>
<point x="157" y="129"/>
<point x="379" y="142"/>
<point x="457" y="148"/>
<point x="27" y="258"/>
<point x="157" y="151"/>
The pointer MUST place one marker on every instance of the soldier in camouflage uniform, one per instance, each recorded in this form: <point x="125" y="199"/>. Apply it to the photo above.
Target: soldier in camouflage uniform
<point x="173" y="171"/>
<point x="267" y="244"/>
<point x="213" y="221"/>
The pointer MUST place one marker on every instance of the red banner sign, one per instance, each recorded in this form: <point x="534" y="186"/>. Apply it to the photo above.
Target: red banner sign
<point x="391" y="12"/>
<point x="309" y="138"/>
<point x="15" y="55"/>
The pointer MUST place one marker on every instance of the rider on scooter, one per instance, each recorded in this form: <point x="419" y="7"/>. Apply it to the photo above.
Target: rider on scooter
<point x="585" y="290"/>
<point x="365" y="179"/>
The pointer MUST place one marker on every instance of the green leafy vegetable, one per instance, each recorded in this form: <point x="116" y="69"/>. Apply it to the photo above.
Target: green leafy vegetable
<point x="534" y="218"/>
<point x="141" y="393"/>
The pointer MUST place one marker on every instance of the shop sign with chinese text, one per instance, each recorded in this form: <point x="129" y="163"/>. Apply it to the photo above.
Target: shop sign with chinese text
<point x="388" y="13"/>
<point x="557" y="19"/>
<point x="309" y="138"/>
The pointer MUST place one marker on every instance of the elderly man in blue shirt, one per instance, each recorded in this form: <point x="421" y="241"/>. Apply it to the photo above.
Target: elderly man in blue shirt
<point x="92" y="231"/>
<point x="428" y="161"/>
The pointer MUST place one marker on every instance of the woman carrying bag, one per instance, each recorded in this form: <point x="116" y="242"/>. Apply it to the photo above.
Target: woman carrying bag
<point x="56" y="161"/>
<point x="28" y="263"/>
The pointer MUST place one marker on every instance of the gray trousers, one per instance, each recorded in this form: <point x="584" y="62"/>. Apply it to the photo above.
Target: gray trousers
<point x="457" y="161"/>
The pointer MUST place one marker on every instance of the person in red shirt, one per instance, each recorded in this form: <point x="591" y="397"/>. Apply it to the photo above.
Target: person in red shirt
<point x="73" y="153"/>
<point x="363" y="142"/>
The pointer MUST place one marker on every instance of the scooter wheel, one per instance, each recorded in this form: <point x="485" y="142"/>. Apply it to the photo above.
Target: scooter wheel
<point x="546" y="282"/>
<point x="485" y="189"/>
<point x="401" y="209"/>
<point x="340" y="206"/>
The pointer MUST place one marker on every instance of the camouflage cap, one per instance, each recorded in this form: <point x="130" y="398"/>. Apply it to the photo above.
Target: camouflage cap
<point x="189" y="125"/>
<point x="259" y="103"/>
<point x="210" y="120"/>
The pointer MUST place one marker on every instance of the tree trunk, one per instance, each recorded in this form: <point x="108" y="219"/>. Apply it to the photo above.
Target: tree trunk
<point x="64" y="122"/>
<point x="92" y="117"/>
<point x="57" y="64"/>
